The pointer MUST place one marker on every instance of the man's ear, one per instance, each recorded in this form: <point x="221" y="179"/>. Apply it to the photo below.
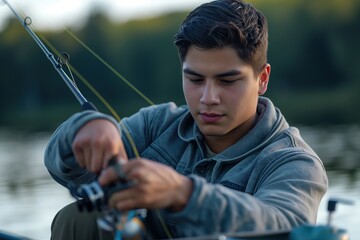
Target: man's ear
<point x="264" y="79"/>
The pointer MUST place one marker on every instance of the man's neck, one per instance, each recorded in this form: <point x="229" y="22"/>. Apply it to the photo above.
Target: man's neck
<point x="218" y="144"/>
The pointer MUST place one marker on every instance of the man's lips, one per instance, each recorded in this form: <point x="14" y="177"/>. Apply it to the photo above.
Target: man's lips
<point x="210" y="117"/>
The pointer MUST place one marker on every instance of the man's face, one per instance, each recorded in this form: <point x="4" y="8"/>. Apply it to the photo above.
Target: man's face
<point x="222" y="92"/>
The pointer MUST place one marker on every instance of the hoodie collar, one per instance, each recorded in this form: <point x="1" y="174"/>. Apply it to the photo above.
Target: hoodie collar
<point x="269" y="123"/>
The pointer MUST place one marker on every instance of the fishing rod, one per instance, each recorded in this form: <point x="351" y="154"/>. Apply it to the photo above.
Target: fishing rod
<point x="57" y="63"/>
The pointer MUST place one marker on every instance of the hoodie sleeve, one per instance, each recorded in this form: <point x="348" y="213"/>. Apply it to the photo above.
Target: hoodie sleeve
<point x="287" y="194"/>
<point x="59" y="158"/>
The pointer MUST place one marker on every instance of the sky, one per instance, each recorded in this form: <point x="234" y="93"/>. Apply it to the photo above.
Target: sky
<point x="55" y="14"/>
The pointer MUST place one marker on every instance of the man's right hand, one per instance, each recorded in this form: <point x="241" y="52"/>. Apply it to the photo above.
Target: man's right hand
<point x="96" y="143"/>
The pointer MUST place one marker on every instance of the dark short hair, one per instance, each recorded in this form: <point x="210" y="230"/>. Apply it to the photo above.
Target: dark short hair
<point x="226" y="23"/>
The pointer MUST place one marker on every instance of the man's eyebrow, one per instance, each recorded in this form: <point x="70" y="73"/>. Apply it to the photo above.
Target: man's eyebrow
<point x="191" y="72"/>
<point x="224" y="74"/>
<point x="229" y="73"/>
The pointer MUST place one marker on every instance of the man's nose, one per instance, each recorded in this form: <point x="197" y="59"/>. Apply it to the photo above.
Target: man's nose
<point x="210" y="94"/>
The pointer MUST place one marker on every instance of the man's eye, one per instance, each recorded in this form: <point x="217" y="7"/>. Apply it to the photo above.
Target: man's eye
<point x="196" y="80"/>
<point x="227" y="82"/>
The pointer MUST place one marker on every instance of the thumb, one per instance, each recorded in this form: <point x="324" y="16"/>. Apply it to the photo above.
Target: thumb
<point x="113" y="172"/>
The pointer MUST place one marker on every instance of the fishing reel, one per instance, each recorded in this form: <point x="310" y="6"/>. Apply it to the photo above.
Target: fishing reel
<point x="90" y="197"/>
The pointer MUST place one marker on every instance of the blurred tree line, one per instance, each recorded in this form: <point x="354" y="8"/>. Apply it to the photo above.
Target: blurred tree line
<point x="313" y="50"/>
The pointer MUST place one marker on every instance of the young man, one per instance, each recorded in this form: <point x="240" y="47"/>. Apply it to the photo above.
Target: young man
<point x="227" y="162"/>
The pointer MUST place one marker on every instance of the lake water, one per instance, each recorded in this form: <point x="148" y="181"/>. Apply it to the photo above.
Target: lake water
<point x="29" y="198"/>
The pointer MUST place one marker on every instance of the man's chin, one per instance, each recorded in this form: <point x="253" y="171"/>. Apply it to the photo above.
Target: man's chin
<point x="212" y="131"/>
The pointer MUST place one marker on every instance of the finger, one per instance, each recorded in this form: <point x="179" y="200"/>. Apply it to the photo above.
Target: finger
<point x="130" y="166"/>
<point x="113" y="172"/>
<point x="79" y="156"/>
<point x="125" y="205"/>
<point x="78" y="151"/>
<point x="109" y="157"/>
<point x="136" y="169"/>
<point x="87" y="158"/>
<point x="122" y="200"/>
<point x="96" y="159"/>
<point x="114" y="152"/>
<point x="118" y="168"/>
<point x="121" y="151"/>
<point x="107" y="176"/>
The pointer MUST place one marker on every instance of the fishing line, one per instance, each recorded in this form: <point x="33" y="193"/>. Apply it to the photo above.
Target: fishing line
<point x="110" y="67"/>
<point x="63" y="59"/>
<point x="82" y="78"/>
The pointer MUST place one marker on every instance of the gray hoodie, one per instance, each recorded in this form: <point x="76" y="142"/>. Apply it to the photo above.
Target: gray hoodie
<point x="269" y="180"/>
